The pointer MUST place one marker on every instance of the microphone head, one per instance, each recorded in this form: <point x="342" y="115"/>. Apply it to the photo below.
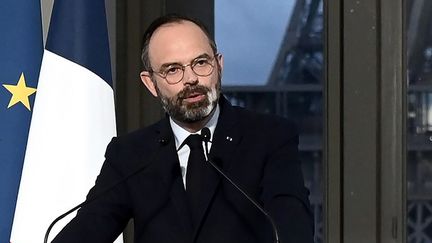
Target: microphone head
<point x="205" y="134"/>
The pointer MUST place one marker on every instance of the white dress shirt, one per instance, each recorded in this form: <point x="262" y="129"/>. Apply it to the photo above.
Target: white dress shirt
<point x="180" y="134"/>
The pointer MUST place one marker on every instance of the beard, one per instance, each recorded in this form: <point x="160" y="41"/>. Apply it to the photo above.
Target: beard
<point x="191" y="112"/>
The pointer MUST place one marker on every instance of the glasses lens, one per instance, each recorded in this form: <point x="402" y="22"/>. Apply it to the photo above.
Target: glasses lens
<point x="174" y="78"/>
<point x="202" y="67"/>
<point x="174" y="74"/>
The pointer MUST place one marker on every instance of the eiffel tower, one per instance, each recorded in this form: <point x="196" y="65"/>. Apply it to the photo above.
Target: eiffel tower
<point x="294" y="86"/>
<point x="294" y="90"/>
<point x="298" y="69"/>
<point x="419" y="122"/>
<point x="300" y="58"/>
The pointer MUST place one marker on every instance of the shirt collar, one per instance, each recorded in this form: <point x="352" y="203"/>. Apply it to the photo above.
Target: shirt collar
<point x="180" y="134"/>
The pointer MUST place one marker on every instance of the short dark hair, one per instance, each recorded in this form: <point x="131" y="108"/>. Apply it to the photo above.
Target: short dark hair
<point x="167" y="19"/>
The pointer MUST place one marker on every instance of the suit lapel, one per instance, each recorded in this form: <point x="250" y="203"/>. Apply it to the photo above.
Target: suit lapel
<point x="168" y="167"/>
<point x="226" y="137"/>
<point x="224" y="141"/>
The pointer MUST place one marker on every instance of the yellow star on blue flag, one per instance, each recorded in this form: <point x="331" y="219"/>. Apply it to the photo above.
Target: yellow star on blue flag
<point x="20" y="92"/>
<point x="21" y="52"/>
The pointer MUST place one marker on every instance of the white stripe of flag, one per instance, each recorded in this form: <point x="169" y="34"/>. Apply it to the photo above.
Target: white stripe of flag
<point x="73" y="121"/>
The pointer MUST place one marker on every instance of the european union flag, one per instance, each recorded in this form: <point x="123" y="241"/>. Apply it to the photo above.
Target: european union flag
<point x="21" y="52"/>
<point x="72" y="122"/>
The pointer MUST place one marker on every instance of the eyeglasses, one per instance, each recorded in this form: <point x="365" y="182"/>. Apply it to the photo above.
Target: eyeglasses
<point x="173" y="73"/>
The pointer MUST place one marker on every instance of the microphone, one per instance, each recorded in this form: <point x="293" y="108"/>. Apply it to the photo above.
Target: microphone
<point x="205" y="135"/>
<point x="162" y="141"/>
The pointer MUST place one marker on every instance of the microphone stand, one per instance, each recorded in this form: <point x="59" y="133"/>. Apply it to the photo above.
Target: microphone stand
<point x="59" y="218"/>
<point x="205" y="133"/>
<point x="162" y="142"/>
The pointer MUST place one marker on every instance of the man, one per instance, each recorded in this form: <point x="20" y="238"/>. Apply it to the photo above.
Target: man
<point x="149" y="173"/>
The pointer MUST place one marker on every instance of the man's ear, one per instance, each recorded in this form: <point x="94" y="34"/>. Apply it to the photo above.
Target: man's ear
<point x="220" y="61"/>
<point x="148" y="82"/>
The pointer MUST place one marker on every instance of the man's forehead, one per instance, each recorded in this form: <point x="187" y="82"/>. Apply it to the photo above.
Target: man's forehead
<point x="179" y="38"/>
<point x="183" y="26"/>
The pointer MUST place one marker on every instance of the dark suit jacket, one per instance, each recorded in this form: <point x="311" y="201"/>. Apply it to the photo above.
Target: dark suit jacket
<point x="258" y="151"/>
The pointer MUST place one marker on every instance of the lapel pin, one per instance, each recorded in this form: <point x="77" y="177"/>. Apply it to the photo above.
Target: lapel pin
<point x="229" y="138"/>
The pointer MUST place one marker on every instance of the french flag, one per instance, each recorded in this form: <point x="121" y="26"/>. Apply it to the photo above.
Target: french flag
<point x="73" y="119"/>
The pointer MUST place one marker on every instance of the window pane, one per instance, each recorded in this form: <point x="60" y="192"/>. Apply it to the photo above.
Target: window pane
<point x="419" y="121"/>
<point x="273" y="63"/>
<point x="249" y="33"/>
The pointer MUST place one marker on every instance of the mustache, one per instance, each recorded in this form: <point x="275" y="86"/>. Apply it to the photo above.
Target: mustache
<point x="190" y="90"/>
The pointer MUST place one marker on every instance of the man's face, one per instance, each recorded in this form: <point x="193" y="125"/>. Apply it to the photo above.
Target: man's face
<point x="194" y="97"/>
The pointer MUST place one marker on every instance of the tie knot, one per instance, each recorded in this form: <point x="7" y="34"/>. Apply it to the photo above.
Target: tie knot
<point x="194" y="141"/>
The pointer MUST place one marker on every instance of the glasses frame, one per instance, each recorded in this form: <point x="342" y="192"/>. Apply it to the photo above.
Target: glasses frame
<point x="183" y="67"/>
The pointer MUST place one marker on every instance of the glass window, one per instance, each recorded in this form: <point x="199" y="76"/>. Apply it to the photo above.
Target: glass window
<point x="273" y="55"/>
<point x="419" y="121"/>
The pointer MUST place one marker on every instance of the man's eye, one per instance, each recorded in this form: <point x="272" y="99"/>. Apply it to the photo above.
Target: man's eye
<point x="201" y="62"/>
<point x="172" y="70"/>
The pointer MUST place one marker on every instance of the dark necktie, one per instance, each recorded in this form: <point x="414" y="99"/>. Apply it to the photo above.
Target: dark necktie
<point x="195" y="174"/>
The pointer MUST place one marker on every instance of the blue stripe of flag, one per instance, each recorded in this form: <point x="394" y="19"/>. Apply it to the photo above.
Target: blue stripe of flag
<point x="21" y="51"/>
<point x="78" y="32"/>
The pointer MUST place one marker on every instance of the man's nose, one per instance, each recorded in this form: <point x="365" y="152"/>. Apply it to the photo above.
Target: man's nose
<point x="189" y="76"/>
